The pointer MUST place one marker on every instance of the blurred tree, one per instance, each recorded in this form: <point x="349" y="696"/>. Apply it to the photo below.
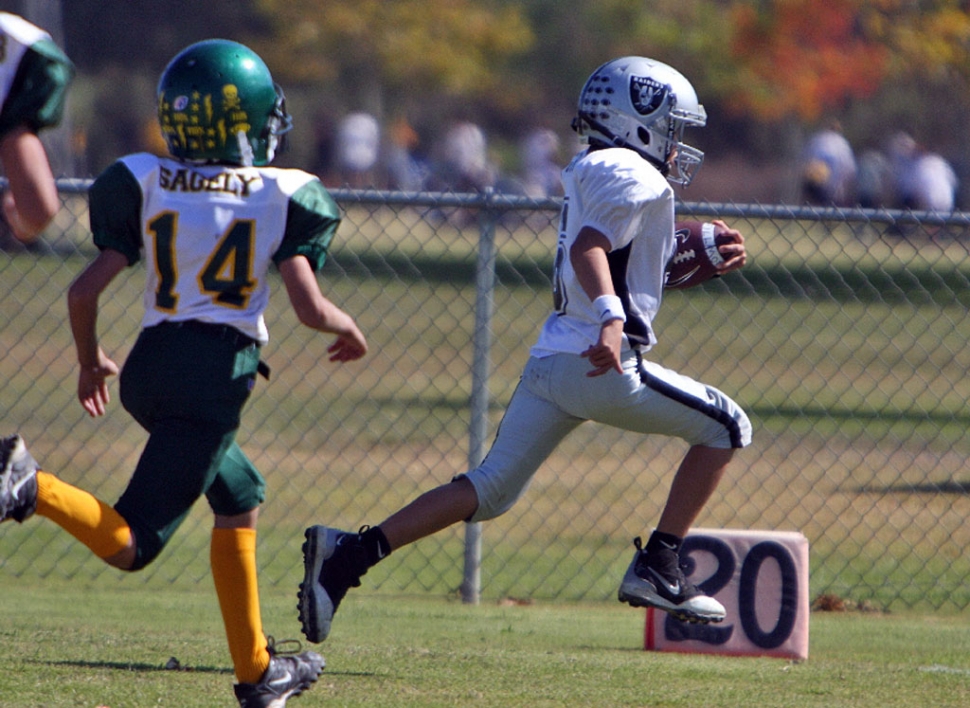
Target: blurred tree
<point x="142" y="35"/>
<point x="802" y="57"/>
<point x="120" y="48"/>
<point x="376" y="51"/>
<point x="768" y="58"/>
<point x="926" y="40"/>
<point x="760" y="66"/>
<point x="766" y="69"/>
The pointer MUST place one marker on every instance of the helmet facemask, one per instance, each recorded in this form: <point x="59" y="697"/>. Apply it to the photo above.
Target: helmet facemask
<point x="278" y="125"/>
<point x="687" y="160"/>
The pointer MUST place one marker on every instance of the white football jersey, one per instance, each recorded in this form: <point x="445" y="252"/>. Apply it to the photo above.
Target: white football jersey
<point x="208" y="233"/>
<point x="16" y="36"/>
<point x="624" y="197"/>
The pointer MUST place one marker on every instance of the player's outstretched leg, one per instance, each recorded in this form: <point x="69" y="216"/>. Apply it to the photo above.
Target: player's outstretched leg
<point x="333" y="562"/>
<point x="655" y="579"/>
<point x="18" y="480"/>
<point x="287" y="676"/>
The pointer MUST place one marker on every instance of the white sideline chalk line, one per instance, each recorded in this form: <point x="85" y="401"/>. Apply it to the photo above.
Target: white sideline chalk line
<point x="940" y="669"/>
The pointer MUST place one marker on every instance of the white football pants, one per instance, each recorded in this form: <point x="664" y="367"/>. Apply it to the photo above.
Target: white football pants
<point x="555" y="395"/>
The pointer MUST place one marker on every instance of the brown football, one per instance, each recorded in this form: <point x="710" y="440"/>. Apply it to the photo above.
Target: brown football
<point x="696" y="257"/>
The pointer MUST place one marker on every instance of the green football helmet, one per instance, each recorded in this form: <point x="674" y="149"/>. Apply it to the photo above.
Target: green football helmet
<point x="217" y="102"/>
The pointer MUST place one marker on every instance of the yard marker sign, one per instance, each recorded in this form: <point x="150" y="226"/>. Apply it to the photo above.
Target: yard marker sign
<point x="761" y="578"/>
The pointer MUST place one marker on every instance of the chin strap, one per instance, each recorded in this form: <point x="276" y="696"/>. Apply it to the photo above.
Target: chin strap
<point x="246" y="154"/>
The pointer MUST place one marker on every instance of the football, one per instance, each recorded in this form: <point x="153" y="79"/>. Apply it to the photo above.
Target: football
<point x="696" y="256"/>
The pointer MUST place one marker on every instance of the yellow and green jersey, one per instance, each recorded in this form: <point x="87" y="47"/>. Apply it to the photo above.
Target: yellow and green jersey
<point x="208" y="233"/>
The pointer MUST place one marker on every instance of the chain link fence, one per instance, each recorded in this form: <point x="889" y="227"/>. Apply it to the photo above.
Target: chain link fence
<point x="844" y="338"/>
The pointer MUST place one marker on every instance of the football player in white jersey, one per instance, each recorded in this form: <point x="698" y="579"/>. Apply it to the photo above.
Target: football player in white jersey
<point x="207" y="222"/>
<point x="616" y="239"/>
<point x="34" y="78"/>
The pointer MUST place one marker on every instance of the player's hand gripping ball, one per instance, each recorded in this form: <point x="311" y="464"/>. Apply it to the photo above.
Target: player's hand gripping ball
<point x="696" y="258"/>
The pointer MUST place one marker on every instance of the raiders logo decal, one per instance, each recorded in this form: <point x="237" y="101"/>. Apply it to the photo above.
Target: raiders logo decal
<point x="647" y="95"/>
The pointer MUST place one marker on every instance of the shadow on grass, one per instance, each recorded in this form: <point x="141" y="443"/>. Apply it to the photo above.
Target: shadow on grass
<point x="148" y="668"/>
<point x="131" y="666"/>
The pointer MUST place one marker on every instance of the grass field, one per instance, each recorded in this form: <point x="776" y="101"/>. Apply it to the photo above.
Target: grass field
<point x="94" y="644"/>
<point x="848" y="354"/>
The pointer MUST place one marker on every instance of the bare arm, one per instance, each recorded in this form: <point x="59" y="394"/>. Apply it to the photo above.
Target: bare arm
<point x="31" y="200"/>
<point x="317" y="312"/>
<point x="588" y="258"/>
<point x="82" y="306"/>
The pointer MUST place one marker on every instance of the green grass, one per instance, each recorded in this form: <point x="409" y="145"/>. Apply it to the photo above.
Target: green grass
<point x="107" y="643"/>
<point x="858" y="404"/>
<point x="849" y="355"/>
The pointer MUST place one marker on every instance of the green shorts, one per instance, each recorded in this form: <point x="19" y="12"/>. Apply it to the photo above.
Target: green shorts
<point x="186" y="384"/>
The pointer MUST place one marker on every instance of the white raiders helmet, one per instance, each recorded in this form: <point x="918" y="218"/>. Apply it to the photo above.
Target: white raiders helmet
<point x="644" y="105"/>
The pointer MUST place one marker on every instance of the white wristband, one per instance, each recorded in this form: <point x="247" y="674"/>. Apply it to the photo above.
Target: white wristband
<point x="609" y="307"/>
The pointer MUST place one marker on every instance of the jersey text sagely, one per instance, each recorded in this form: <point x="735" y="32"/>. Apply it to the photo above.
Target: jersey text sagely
<point x="188" y="180"/>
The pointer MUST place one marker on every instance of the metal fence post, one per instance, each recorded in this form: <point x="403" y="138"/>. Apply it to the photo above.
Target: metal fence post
<point x="481" y="363"/>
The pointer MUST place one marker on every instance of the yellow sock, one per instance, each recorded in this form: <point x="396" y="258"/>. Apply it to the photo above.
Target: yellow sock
<point x="233" y="557"/>
<point x="81" y="514"/>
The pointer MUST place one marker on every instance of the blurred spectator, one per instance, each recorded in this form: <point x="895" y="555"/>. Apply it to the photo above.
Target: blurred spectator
<point x="922" y="180"/>
<point x="873" y="182"/>
<point x="405" y="171"/>
<point x="358" y="147"/>
<point x="324" y="139"/>
<point x="901" y="150"/>
<point x="828" y="169"/>
<point x="935" y="184"/>
<point x="540" y="164"/>
<point x="462" y="165"/>
<point x="465" y="166"/>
